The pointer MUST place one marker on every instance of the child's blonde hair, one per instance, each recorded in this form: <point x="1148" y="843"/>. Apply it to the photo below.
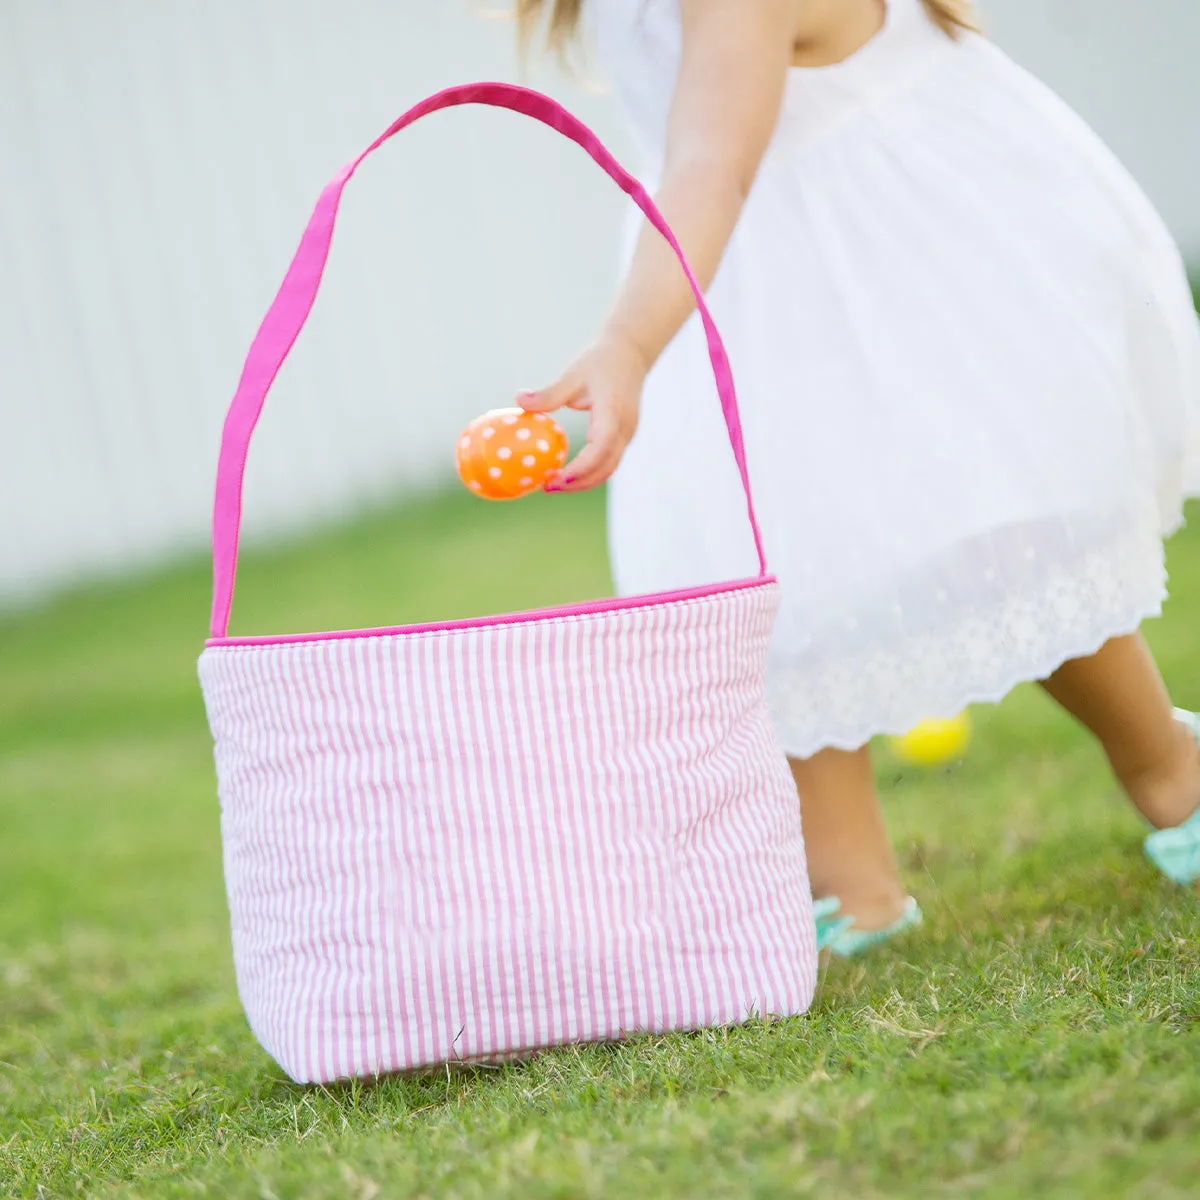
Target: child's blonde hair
<point x="952" y="15"/>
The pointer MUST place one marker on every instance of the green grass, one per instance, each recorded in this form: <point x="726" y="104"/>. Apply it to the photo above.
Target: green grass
<point x="1041" y="1036"/>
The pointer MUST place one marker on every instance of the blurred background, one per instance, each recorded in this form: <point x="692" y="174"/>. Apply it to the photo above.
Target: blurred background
<point x="160" y="160"/>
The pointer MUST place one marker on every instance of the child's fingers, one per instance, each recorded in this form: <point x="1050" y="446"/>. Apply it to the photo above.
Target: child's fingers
<point x="596" y="462"/>
<point x="588" y="469"/>
<point x="558" y="395"/>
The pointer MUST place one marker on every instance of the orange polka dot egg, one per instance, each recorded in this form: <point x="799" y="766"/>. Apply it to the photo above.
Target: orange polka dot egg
<point x="510" y="453"/>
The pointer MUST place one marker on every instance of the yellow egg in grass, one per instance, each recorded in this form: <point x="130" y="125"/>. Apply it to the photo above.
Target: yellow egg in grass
<point x="935" y="741"/>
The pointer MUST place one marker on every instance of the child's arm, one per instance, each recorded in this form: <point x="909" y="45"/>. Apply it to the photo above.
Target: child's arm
<point x="727" y="97"/>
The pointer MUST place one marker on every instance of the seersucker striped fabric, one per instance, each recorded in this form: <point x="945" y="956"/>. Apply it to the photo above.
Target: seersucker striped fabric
<point x="479" y="839"/>
<point x="475" y="842"/>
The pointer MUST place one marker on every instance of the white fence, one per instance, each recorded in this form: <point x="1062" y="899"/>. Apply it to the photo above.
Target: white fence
<point x="158" y="159"/>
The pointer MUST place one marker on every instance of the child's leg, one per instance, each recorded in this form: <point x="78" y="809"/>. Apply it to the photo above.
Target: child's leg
<point x="1119" y="695"/>
<point x="849" y="852"/>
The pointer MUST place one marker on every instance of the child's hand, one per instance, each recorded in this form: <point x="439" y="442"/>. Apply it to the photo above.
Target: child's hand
<point x="606" y="381"/>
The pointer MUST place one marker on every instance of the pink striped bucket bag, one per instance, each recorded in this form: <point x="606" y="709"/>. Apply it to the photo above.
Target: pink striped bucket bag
<point x="412" y="878"/>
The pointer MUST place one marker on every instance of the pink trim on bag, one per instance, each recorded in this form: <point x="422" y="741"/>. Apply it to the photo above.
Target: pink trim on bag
<point x="297" y="294"/>
<point x="587" y="609"/>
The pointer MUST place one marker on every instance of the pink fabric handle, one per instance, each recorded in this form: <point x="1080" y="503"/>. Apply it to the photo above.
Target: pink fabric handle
<point x="298" y="292"/>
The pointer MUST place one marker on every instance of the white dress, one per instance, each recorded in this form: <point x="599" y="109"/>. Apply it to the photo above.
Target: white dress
<point x="969" y="370"/>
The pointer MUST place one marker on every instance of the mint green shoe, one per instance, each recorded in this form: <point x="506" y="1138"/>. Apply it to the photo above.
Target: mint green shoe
<point x="1176" y="851"/>
<point x="829" y="925"/>
<point x="838" y="935"/>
